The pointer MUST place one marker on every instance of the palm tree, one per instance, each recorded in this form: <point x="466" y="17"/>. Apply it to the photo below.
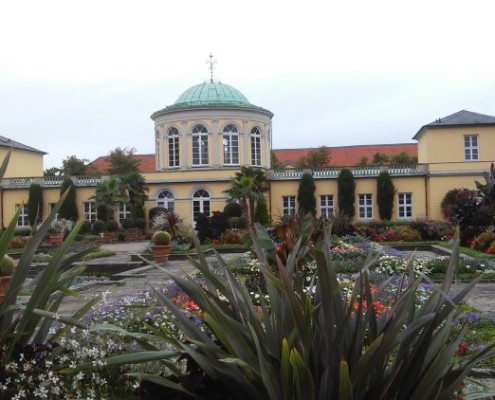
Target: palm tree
<point x="136" y="187"/>
<point x="110" y="194"/>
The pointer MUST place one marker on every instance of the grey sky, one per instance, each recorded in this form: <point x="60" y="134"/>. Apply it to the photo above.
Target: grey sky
<point x="82" y="78"/>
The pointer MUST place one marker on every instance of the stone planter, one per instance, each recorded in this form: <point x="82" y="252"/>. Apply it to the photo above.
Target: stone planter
<point x="160" y="252"/>
<point x="4" y="284"/>
<point x="55" y="238"/>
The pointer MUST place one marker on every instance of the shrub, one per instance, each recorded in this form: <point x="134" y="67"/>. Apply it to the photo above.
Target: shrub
<point x="140" y="223"/>
<point x="99" y="226"/>
<point x="22" y="232"/>
<point x="203" y="227"/>
<point x="35" y="204"/>
<point x="219" y="224"/>
<point x="432" y="230"/>
<point x="261" y="212"/>
<point x="483" y="241"/>
<point x="306" y="195"/>
<point x="346" y="193"/>
<point x="228" y="237"/>
<point x="385" y="194"/>
<point x="68" y="210"/>
<point x="127" y="223"/>
<point x="407" y="234"/>
<point x="154" y="212"/>
<point x="232" y="210"/>
<point x="86" y="227"/>
<point x="112" y="226"/>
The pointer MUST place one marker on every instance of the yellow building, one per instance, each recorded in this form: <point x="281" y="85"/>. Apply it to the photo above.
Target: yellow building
<point x="212" y="130"/>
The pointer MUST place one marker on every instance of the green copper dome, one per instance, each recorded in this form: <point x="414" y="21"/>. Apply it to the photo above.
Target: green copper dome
<point x="212" y="94"/>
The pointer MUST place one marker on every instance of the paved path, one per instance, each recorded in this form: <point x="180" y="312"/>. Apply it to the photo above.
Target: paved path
<point x="482" y="297"/>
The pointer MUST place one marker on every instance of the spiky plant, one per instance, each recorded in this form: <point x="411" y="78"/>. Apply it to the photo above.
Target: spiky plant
<point x="314" y="344"/>
<point x="7" y="266"/>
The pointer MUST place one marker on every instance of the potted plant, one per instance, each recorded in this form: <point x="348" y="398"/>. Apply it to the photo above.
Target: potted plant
<point x="161" y="246"/>
<point x="58" y="228"/>
<point x="111" y="235"/>
<point x="7" y="268"/>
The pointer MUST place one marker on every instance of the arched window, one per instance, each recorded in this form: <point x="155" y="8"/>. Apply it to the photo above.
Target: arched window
<point x="201" y="203"/>
<point x="173" y="148"/>
<point x="199" y="145"/>
<point x="231" y="145"/>
<point x="256" y="147"/>
<point x="165" y="199"/>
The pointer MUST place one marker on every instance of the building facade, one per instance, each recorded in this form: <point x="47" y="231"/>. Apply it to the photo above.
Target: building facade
<point x="212" y="130"/>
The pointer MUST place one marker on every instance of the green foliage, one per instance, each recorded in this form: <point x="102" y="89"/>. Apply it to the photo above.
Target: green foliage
<point x="99" y="226"/>
<point x="275" y="163"/>
<point x="403" y="158"/>
<point x="35" y="204"/>
<point x="7" y="265"/>
<point x="320" y="343"/>
<point x="112" y="226"/>
<point x="306" y="195"/>
<point x="140" y="223"/>
<point x="86" y="227"/>
<point x="68" y="209"/>
<point x="385" y="195"/>
<point x="109" y="195"/>
<point x="316" y="158"/>
<point x="380" y="159"/>
<point x="483" y="241"/>
<point x="346" y="193"/>
<point x="122" y="161"/>
<point x="161" y="238"/>
<point x="73" y="166"/>
<point x="261" y="215"/>
<point x="136" y="187"/>
<point x="232" y="210"/>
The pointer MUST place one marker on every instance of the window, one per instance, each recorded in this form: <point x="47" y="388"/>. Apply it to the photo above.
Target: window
<point x="173" y="148"/>
<point x="404" y="205"/>
<point x="326" y="205"/>
<point x="231" y="145"/>
<point x="256" y="147"/>
<point x="289" y="205"/>
<point x="23" y="220"/>
<point x="365" y="206"/>
<point x="471" y="147"/>
<point x="201" y="203"/>
<point x="90" y="211"/>
<point x="165" y="199"/>
<point x="124" y="211"/>
<point x="200" y="145"/>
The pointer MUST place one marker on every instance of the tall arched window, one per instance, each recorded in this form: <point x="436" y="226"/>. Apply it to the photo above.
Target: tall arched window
<point x="200" y="145"/>
<point x="256" y="147"/>
<point x="231" y="145"/>
<point x="201" y="203"/>
<point x="165" y="199"/>
<point x="173" y="148"/>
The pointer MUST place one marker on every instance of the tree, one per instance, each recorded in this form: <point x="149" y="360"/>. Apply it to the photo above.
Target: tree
<point x="363" y="161"/>
<point x="110" y="194"/>
<point x="136" y="187"/>
<point x="487" y="190"/>
<point x="261" y="214"/>
<point x="275" y="163"/>
<point x="35" y="204"/>
<point x="306" y="195"/>
<point x="403" y="158"/>
<point x="385" y="190"/>
<point x="73" y="166"/>
<point x="68" y="209"/>
<point x="346" y="193"/>
<point x="122" y="161"/>
<point x="242" y="188"/>
<point x="316" y="158"/>
<point x="380" y="159"/>
<point x="52" y="172"/>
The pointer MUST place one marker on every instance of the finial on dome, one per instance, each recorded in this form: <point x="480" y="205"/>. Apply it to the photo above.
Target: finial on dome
<point x="211" y="62"/>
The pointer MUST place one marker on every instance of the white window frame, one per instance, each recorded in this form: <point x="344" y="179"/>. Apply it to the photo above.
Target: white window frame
<point x="256" y="147"/>
<point x="165" y="199"/>
<point x="404" y="205"/>
<point x="326" y="205"/>
<point x="289" y="205"/>
<point x="23" y="220"/>
<point x="365" y="206"/>
<point x="199" y="146"/>
<point x="471" y="148"/>
<point x="124" y="211"/>
<point x="200" y="203"/>
<point x="230" y="145"/>
<point x="89" y="210"/>
<point x="173" y="148"/>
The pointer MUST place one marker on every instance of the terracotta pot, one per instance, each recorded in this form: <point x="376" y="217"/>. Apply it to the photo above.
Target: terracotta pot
<point x="160" y="252"/>
<point x="4" y="284"/>
<point x="55" y="237"/>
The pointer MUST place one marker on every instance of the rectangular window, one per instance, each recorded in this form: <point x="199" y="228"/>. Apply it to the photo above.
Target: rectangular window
<point x="289" y="205"/>
<point x="326" y="205"/>
<point x="200" y="150"/>
<point x="256" y="150"/>
<point x="173" y="151"/>
<point x="366" y="206"/>
<point x="124" y="211"/>
<point x="90" y="211"/>
<point x="22" y="221"/>
<point x="404" y="205"/>
<point x="231" y="149"/>
<point x="471" y="149"/>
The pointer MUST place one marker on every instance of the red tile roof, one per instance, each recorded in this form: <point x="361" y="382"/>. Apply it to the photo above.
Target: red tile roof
<point x="348" y="156"/>
<point x="147" y="163"/>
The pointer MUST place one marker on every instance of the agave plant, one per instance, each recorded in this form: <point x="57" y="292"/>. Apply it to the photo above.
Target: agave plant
<point x="314" y="344"/>
<point x="28" y="323"/>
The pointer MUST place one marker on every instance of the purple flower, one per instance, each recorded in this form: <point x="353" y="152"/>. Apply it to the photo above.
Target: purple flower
<point x="472" y="317"/>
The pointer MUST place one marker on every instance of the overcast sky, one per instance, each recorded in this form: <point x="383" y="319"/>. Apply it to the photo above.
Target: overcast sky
<point x="82" y="77"/>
